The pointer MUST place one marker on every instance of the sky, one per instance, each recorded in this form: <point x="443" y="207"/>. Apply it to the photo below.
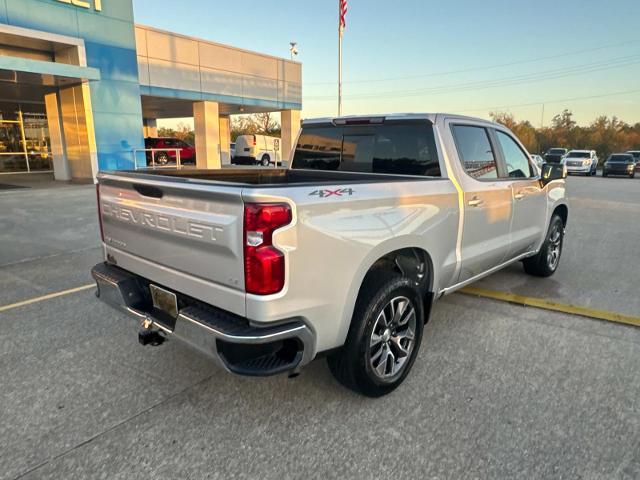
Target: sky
<point x="530" y="58"/>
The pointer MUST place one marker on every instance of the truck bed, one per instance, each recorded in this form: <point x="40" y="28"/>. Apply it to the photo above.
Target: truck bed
<point x="267" y="177"/>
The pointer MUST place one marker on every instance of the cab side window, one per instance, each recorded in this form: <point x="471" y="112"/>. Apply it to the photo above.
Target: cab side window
<point x="475" y="151"/>
<point x="516" y="160"/>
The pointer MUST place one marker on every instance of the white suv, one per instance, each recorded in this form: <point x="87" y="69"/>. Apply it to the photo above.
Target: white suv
<point x="582" y="161"/>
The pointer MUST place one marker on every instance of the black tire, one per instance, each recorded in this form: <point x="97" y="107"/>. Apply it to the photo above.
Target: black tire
<point x="162" y="158"/>
<point x="265" y="161"/>
<point x="604" y="174"/>
<point x="353" y="364"/>
<point x="546" y="261"/>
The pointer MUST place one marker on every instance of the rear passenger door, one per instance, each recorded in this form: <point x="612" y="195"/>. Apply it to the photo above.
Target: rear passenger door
<point x="529" y="200"/>
<point x="487" y="200"/>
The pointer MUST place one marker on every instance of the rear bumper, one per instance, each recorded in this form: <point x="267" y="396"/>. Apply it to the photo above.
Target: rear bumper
<point x="244" y="160"/>
<point x="232" y="341"/>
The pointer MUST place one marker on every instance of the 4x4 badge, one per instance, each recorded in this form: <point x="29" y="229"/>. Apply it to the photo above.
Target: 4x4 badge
<point x="326" y="192"/>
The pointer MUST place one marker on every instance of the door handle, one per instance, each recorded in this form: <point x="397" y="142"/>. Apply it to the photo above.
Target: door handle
<point x="519" y="196"/>
<point x="475" y="202"/>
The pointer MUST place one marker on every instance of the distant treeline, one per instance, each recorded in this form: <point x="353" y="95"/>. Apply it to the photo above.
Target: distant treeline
<point x="605" y="135"/>
<point x="257" y="123"/>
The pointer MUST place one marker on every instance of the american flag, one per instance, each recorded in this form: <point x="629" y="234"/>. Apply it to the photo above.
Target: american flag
<point x="343" y="14"/>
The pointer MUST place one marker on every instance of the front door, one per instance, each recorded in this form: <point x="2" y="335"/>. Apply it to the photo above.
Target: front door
<point x="529" y="199"/>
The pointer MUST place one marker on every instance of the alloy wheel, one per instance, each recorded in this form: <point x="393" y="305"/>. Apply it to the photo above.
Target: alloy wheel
<point x="555" y="242"/>
<point x="392" y="338"/>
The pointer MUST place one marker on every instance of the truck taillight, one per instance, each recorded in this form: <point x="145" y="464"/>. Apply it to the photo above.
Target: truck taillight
<point x="263" y="263"/>
<point x="99" y="211"/>
<point x="254" y="140"/>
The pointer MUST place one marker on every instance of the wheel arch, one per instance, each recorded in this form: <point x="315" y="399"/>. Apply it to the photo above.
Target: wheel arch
<point x="414" y="262"/>
<point x="563" y="211"/>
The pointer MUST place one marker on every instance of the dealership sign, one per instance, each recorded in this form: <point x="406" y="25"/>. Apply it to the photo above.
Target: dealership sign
<point x="97" y="4"/>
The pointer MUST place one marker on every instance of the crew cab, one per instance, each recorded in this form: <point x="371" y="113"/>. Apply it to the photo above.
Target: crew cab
<point x="342" y="254"/>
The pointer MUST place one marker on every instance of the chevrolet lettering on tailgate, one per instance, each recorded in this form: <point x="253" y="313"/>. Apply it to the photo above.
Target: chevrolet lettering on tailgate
<point x="162" y="221"/>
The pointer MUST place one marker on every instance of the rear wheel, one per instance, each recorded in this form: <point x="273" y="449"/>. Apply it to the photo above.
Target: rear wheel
<point x="545" y="263"/>
<point x="266" y="160"/>
<point x="162" y="158"/>
<point x="384" y="337"/>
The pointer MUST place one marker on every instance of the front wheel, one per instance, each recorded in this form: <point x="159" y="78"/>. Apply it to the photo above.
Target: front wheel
<point x="545" y="262"/>
<point x="384" y="337"/>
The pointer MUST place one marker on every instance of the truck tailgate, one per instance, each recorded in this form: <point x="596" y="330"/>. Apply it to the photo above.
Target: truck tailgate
<point x="183" y="235"/>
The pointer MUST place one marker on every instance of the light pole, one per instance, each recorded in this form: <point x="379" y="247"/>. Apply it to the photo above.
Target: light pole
<point x="293" y="49"/>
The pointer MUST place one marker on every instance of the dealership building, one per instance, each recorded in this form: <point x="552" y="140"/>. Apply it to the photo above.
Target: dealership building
<point x="81" y="85"/>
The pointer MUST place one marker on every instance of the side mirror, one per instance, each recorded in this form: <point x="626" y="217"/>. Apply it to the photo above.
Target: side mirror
<point x="553" y="171"/>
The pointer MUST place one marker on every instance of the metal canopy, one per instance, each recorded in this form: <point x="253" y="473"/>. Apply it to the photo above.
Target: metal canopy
<point x="49" y="74"/>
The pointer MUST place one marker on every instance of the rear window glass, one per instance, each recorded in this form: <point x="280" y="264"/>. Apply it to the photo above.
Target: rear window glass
<point x="475" y="151"/>
<point x="402" y="149"/>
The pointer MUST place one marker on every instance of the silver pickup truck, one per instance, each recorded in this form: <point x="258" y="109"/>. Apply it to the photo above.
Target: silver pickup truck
<point x="342" y="254"/>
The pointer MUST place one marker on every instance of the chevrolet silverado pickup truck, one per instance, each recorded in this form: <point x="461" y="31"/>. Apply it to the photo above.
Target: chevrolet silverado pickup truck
<point x="342" y="254"/>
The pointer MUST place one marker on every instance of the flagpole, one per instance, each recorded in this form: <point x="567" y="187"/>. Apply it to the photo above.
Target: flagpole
<point x="339" y="74"/>
<point x="339" y="58"/>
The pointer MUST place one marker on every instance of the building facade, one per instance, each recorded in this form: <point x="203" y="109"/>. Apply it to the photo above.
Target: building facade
<point x="81" y="84"/>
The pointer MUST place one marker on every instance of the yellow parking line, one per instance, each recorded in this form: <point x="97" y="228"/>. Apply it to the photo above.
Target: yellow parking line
<point x="474" y="291"/>
<point x="555" y="306"/>
<point x="49" y="296"/>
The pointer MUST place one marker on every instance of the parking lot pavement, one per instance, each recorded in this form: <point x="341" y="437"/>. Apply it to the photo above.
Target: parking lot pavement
<point x="600" y="264"/>
<point x="38" y="223"/>
<point x="498" y="390"/>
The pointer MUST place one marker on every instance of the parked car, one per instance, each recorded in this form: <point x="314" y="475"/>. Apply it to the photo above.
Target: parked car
<point x="382" y="216"/>
<point x="620" y="164"/>
<point x="257" y="150"/>
<point x="636" y="157"/>
<point x="555" y="155"/>
<point x="582" y="161"/>
<point x="166" y="157"/>
<point x="538" y="160"/>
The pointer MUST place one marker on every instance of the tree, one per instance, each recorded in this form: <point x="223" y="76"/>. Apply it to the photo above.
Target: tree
<point x="182" y="131"/>
<point x="257" y="123"/>
<point x="604" y="135"/>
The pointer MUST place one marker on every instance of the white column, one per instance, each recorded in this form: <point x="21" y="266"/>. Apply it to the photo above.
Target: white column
<point x="207" y="130"/>
<point x="61" y="169"/>
<point x="150" y="128"/>
<point x="225" y="140"/>
<point x="290" y="124"/>
<point x="79" y="134"/>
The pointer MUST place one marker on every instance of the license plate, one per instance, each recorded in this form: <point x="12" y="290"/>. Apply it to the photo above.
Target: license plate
<point x="164" y="300"/>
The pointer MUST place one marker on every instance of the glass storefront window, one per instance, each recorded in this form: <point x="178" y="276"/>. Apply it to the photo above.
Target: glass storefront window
<point x="24" y="140"/>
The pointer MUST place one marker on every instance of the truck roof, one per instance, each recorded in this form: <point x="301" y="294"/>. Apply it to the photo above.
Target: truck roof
<point x="394" y="116"/>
